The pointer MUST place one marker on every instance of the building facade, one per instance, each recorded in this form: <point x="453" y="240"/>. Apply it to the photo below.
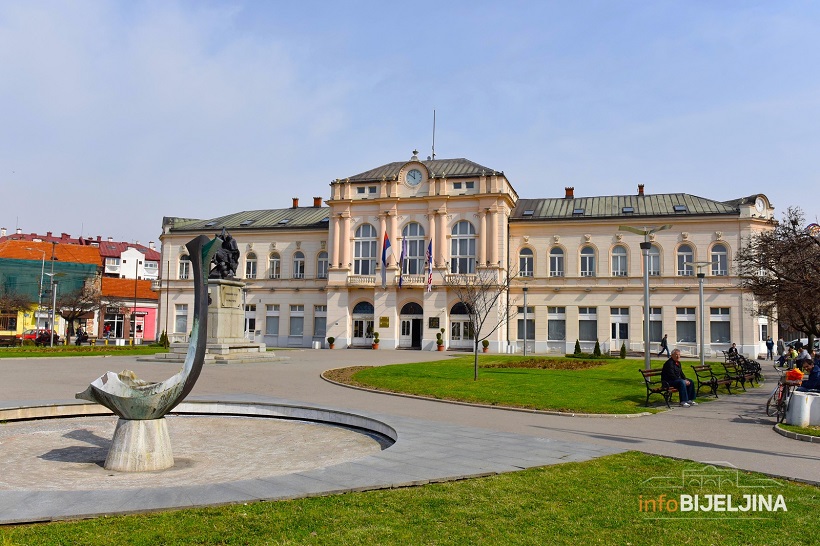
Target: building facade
<point x="389" y="250"/>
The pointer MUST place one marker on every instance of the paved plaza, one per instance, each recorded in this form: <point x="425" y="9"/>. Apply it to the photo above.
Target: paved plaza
<point x="57" y="472"/>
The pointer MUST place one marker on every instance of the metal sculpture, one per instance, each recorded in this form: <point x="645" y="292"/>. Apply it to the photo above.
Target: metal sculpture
<point x="226" y="259"/>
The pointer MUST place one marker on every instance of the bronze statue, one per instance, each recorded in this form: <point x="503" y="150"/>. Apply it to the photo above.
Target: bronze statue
<point x="226" y="259"/>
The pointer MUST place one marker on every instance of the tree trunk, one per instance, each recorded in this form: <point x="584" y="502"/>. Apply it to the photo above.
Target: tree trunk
<point x="475" y="361"/>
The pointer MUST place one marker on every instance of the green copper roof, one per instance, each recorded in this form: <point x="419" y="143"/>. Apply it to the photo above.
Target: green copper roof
<point x="290" y="218"/>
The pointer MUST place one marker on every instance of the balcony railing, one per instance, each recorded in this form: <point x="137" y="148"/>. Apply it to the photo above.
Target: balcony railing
<point x="361" y="280"/>
<point x="411" y="280"/>
<point x="457" y="278"/>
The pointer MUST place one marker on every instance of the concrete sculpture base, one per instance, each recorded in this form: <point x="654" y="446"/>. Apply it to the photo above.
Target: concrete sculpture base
<point x="804" y="409"/>
<point x="140" y="446"/>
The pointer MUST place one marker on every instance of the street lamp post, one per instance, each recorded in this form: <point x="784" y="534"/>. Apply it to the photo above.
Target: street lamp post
<point x="40" y="292"/>
<point x="53" y="308"/>
<point x="525" y="321"/>
<point x="701" y="275"/>
<point x="645" y="246"/>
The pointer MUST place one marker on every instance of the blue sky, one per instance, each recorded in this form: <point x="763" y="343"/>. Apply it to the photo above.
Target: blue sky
<point x="115" y="114"/>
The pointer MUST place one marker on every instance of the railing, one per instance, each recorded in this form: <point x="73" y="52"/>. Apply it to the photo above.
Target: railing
<point x="361" y="280"/>
<point x="411" y="280"/>
<point x="457" y="278"/>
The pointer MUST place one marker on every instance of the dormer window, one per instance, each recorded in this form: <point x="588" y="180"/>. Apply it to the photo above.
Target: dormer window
<point x="210" y="224"/>
<point x="679" y="208"/>
<point x="627" y="210"/>
<point x="529" y="212"/>
<point x="246" y="222"/>
<point x="285" y="221"/>
<point x="578" y="212"/>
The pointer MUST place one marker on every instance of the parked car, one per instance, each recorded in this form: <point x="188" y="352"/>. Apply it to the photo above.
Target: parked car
<point x="44" y="338"/>
<point x="804" y="341"/>
<point x="32" y="334"/>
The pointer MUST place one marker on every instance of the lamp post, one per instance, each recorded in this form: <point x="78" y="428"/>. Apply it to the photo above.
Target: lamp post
<point x="645" y="246"/>
<point x="40" y="292"/>
<point x="525" y="321"/>
<point x="700" y="275"/>
<point x="53" y="308"/>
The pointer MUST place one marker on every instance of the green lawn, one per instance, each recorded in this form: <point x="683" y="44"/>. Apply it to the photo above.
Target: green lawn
<point x="596" y="502"/>
<point x="809" y="431"/>
<point x="84" y="350"/>
<point x="614" y="387"/>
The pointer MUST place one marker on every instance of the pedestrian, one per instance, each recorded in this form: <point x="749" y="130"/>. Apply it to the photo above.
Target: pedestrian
<point x="769" y="349"/>
<point x="781" y="346"/>
<point x="672" y="376"/>
<point x="664" y="346"/>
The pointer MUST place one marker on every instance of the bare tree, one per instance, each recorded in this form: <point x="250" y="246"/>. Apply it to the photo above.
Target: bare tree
<point x="781" y="267"/>
<point x="483" y="295"/>
<point x="14" y="301"/>
<point x="75" y="304"/>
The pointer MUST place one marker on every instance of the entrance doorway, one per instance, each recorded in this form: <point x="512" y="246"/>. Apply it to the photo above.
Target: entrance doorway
<point x="362" y="324"/>
<point x="620" y="328"/>
<point x="411" y="322"/>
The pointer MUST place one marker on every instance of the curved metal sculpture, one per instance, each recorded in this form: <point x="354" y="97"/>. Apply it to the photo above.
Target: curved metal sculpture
<point x="133" y="399"/>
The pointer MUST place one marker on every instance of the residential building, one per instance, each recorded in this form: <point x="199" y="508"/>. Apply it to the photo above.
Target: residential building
<point x="314" y="272"/>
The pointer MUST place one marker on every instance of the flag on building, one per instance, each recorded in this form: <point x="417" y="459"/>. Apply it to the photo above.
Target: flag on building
<point x="430" y="266"/>
<point x="401" y="260"/>
<point x="385" y="246"/>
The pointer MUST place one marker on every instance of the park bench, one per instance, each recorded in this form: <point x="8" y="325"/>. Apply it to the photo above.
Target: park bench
<point x="738" y="375"/>
<point x="9" y="340"/>
<point x="652" y="378"/>
<point x="706" y="377"/>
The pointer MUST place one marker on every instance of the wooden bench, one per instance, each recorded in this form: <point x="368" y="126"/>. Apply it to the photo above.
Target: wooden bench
<point x="706" y="377"/>
<point x="9" y="340"/>
<point x="738" y="375"/>
<point x="652" y="378"/>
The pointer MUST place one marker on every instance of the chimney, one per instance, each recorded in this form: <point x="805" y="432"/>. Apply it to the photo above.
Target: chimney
<point x="296" y="202"/>
<point x="151" y="245"/>
<point x="317" y="201"/>
<point x="48" y="234"/>
<point x="110" y="239"/>
<point x="19" y="231"/>
<point x="570" y="192"/>
<point x="64" y="236"/>
<point x="99" y="238"/>
<point x="2" y="232"/>
<point x="640" y="190"/>
<point x="137" y="243"/>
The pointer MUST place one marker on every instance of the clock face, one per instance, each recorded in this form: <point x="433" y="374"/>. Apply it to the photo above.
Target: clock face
<point x="759" y="204"/>
<point x="414" y="177"/>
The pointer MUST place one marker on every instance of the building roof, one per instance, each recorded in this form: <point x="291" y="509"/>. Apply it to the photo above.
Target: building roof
<point x="111" y="249"/>
<point x="663" y="204"/>
<point x="124" y="289"/>
<point x="66" y="253"/>
<point x="276" y="219"/>
<point x="451" y="168"/>
<point x="106" y="248"/>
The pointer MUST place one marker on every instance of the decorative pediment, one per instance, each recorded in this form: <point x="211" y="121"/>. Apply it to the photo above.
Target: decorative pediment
<point x="273" y="245"/>
<point x="587" y="237"/>
<point x="684" y="235"/>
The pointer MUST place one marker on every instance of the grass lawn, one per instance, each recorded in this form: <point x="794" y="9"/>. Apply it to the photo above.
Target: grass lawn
<point x="595" y="502"/>
<point x="809" y="431"/>
<point x="616" y="386"/>
<point x="84" y="350"/>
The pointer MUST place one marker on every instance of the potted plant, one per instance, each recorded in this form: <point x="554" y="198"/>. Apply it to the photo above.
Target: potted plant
<point x="440" y="340"/>
<point x="330" y="341"/>
<point x="486" y="345"/>
<point x="375" y="340"/>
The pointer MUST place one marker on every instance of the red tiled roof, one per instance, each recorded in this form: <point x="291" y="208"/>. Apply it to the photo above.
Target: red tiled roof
<point x="107" y="248"/>
<point x="67" y="253"/>
<point x="124" y="288"/>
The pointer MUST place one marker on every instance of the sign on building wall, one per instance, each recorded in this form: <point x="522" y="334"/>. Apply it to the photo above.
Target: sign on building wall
<point x="433" y="322"/>
<point x="384" y="322"/>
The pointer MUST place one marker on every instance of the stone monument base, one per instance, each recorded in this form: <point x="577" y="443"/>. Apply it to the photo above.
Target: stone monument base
<point x="220" y="353"/>
<point x="140" y="446"/>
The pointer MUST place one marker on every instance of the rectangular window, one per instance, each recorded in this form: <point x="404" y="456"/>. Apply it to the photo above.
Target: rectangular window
<point x="361" y="190"/>
<point x="272" y="320"/>
<point x="587" y="324"/>
<point x="685" y="325"/>
<point x="764" y="332"/>
<point x="456" y="185"/>
<point x="184" y="268"/>
<point x="530" y="322"/>
<point x="181" y="318"/>
<point x="720" y="327"/>
<point x="250" y="269"/>
<point x="556" y="324"/>
<point x="372" y="189"/>
<point x="470" y="185"/>
<point x="297" y="320"/>
<point x="8" y="321"/>
<point x="319" y="321"/>
<point x="655" y="324"/>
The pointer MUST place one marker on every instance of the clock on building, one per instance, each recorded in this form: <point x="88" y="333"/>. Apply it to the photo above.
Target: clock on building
<point x="414" y="177"/>
<point x="759" y="204"/>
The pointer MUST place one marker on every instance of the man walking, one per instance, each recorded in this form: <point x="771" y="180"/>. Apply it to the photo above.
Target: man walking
<point x="664" y="346"/>
<point x="672" y="376"/>
<point x="769" y="349"/>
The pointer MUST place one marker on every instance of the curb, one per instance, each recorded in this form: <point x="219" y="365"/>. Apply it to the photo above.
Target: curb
<point x="488" y="406"/>
<point x="796" y="436"/>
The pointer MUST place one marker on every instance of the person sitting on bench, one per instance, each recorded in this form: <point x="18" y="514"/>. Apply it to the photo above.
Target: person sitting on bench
<point x="672" y="376"/>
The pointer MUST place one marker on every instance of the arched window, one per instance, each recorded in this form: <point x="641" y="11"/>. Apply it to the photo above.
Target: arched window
<point x="685" y="256"/>
<point x="587" y="261"/>
<point x="556" y="262"/>
<point x="250" y="266"/>
<point x="460" y="308"/>
<point x="321" y="266"/>
<point x="720" y="260"/>
<point x="298" y="265"/>
<point x="274" y="266"/>
<point x="363" y="308"/>
<point x="364" y="250"/>
<point x="654" y="261"/>
<point x="619" y="262"/>
<point x="184" y="267"/>
<point x="414" y="252"/>
<point x="525" y="263"/>
<point x="412" y="308"/>
<point x="462" y="248"/>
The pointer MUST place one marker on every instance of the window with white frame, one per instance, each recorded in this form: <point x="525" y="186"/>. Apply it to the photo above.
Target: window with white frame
<point x="685" y="255"/>
<point x="764" y="332"/>
<point x="319" y="321"/>
<point x="297" y="320"/>
<point x="587" y="324"/>
<point x="298" y="265"/>
<point x="321" y="265"/>
<point x="720" y="260"/>
<point x="364" y="250"/>
<point x="685" y="325"/>
<point x="250" y="266"/>
<point x="462" y="248"/>
<point x="530" y="329"/>
<point x="181" y="318"/>
<point x="720" y="326"/>
<point x="556" y="324"/>
<point x="655" y="324"/>
<point x="274" y="266"/>
<point x="525" y="263"/>
<point x="112" y="262"/>
<point x="272" y="319"/>
<point x="413" y="234"/>
<point x="654" y="261"/>
<point x="556" y="262"/>
<point x="587" y="261"/>
<point x="619" y="262"/>
<point x="184" y="267"/>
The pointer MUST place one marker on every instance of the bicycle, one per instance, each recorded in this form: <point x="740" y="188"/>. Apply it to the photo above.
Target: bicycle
<point x="778" y="403"/>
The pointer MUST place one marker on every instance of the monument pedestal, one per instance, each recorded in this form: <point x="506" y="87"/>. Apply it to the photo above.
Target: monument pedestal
<point x="140" y="446"/>
<point x="226" y="343"/>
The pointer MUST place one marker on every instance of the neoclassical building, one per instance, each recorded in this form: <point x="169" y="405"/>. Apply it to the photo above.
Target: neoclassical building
<point x="319" y="271"/>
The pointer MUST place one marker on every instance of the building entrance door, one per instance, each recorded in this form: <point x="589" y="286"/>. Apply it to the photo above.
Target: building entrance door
<point x="620" y="335"/>
<point x="362" y="332"/>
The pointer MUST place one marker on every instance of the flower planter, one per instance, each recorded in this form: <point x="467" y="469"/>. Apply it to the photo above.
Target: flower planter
<point x="375" y="346"/>
<point x="440" y="347"/>
<point x="331" y="345"/>
<point x="485" y="349"/>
